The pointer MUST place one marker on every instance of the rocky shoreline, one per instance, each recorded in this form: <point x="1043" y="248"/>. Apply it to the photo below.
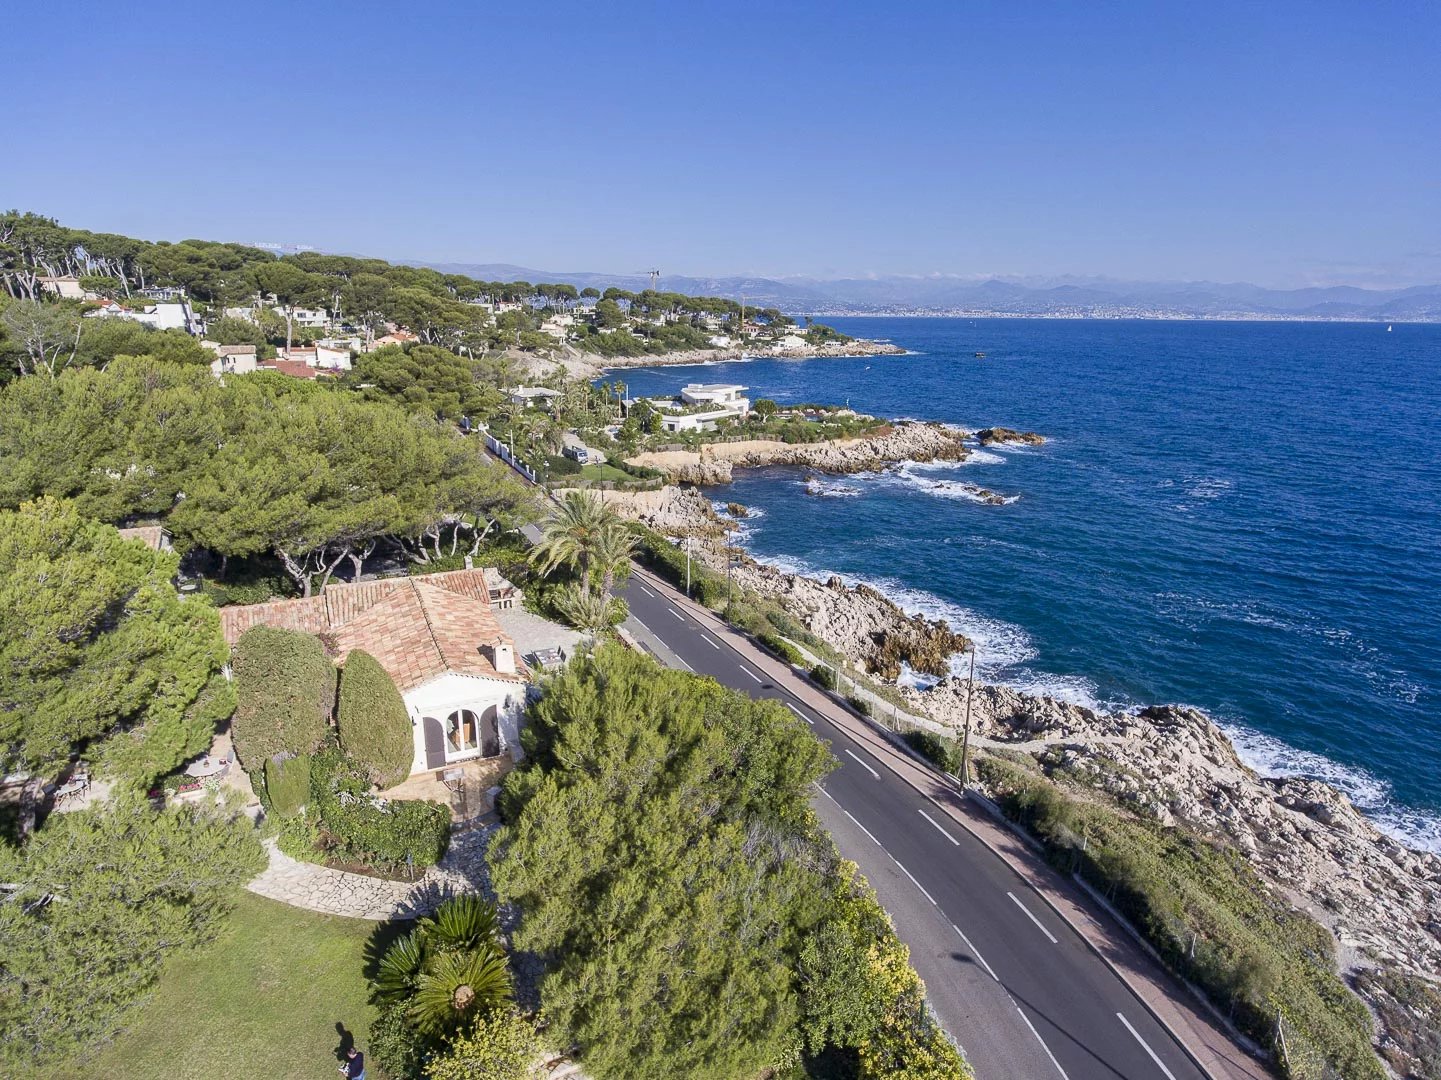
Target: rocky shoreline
<point x="1380" y="899"/>
<point x="903" y="441"/>
<point x="584" y="365"/>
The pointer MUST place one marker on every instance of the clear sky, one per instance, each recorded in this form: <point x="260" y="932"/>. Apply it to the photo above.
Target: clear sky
<point x="1276" y="142"/>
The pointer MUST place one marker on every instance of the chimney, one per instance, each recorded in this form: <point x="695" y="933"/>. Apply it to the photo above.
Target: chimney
<point x="501" y="654"/>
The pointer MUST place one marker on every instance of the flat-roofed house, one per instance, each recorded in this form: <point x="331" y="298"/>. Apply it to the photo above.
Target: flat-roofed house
<point x="440" y="642"/>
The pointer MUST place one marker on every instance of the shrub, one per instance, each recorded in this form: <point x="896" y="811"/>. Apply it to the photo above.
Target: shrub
<point x="782" y="648"/>
<point x="824" y="677"/>
<point x="287" y="783"/>
<point x="354" y="825"/>
<point x="860" y="704"/>
<point x="940" y="752"/>
<point x="285" y="691"/>
<point x="372" y="723"/>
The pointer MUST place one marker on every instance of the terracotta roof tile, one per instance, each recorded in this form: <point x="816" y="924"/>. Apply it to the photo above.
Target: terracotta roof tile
<point x="417" y="628"/>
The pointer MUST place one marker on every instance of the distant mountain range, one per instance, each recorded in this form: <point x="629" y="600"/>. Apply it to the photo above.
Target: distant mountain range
<point x="1069" y="297"/>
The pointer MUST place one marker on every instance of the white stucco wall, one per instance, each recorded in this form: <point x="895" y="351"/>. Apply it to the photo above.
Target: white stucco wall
<point x="447" y="693"/>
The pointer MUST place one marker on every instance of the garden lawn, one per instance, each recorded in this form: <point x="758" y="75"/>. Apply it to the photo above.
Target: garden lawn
<point x="262" y="1000"/>
<point x="606" y="473"/>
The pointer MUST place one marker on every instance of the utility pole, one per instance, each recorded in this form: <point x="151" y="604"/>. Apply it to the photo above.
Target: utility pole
<point x="687" y="567"/>
<point x="966" y="738"/>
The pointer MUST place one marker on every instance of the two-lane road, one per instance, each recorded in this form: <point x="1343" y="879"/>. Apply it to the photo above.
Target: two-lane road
<point x="1013" y="982"/>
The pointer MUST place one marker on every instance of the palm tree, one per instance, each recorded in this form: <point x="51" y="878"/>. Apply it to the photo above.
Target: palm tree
<point x="586" y="610"/>
<point x="611" y="555"/>
<point x="573" y="534"/>
<point x="450" y="969"/>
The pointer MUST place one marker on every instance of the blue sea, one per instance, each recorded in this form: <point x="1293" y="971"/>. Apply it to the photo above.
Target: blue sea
<point x="1242" y="517"/>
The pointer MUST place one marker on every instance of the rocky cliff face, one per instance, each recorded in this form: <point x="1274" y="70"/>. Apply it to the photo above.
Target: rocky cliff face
<point x="1381" y="899"/>
<point x="905" y="441"/>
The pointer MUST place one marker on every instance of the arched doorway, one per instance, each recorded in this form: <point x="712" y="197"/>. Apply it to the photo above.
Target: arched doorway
<point x="489" y="733"/>
<point x="462" y="731"/>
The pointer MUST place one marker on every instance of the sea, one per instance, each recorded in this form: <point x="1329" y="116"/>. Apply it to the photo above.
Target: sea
<point x="1244" y="517"/>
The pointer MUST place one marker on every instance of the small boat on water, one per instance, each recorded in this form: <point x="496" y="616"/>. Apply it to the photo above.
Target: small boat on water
<point x="980" y="356"/>
<point x="1388" y="328"/>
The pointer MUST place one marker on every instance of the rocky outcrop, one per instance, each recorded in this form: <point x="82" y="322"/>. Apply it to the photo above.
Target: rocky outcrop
<point x="904" y="441"/>
<point x="858" y="621"/>
<point x="1381" y="899"/>
<point x="673" y="511"/>
<point x="1000" y="436"/>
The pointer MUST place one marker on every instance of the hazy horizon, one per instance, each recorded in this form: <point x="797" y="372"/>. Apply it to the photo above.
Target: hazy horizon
<point x="1283" y="146"/>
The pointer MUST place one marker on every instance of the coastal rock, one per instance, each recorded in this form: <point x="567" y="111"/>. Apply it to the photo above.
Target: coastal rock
<point x="1000" y="436"/>
<point x="904" y="441"/>
<point x="1381" y="899"/>
<point x="673" y="511"/>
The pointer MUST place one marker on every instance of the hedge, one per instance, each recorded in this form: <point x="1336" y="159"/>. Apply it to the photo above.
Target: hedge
<point x="782" y="648"/>
<point x="372" y="722"/>
<point x="285" y="693"/>
<point x="287" y="783"/>
<point x="823" y="677"/>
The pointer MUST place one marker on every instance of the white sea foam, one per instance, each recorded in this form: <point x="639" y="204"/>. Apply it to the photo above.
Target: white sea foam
<point x="831" y="489"/>
<point x="1270" y="756"/>
<point x="947" y="489"/>
<point x="1003" y="654"/>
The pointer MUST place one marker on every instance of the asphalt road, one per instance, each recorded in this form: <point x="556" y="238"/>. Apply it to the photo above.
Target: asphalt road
<point x="1022" y="993"/>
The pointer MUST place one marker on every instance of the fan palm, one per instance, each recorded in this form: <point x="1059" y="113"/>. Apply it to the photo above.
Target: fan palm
<point x="458" y="988"/>
<point x="399" y="968"/>
<point x="463" y="923"/>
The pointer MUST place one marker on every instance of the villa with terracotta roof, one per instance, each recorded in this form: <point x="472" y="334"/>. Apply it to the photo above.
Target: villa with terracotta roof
<point x="440" y="642"/>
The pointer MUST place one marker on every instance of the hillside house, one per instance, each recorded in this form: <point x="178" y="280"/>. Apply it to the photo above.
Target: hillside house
<point x="438" y="639"/>
<point x="65" y="287"/>
<point x="232" y="359"/>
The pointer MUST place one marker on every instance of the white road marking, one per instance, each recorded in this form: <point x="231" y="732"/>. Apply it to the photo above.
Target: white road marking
<point x="1039" y="925"/>
<point x="860" y="826"/>
<point x="975" y="952"/>
<point x="645" y="590"/>
<point x="676" y="613"/>
<point x="863" y="765"/>
<point x="826" y="793"/>
<point x="1146" y="1047"/>
<point x="802" y="715"/>
<point x="751" y="673"/>
<point x="710" y="641"/>
<point x="942" y="831"/>
<point x="914" y="882"/>
<point x="1044" y="1047"/>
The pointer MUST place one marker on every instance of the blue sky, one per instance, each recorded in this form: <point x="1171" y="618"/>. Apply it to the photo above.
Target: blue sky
<point x="1282" y="143"/>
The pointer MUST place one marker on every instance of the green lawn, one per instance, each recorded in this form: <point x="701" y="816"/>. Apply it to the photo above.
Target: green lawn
<point x="606" y="472"/>
<point x="262" y="1000"/>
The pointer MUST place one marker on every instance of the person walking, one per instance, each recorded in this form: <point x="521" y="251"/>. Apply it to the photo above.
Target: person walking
<point x="353" y="1067"/>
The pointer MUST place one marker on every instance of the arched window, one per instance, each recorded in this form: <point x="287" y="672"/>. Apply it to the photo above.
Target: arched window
<point x="462" y="731"/>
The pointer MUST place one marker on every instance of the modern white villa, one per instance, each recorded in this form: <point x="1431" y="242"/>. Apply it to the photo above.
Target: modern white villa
<point x="700" y="406"/>
<point x="437" y="638"/>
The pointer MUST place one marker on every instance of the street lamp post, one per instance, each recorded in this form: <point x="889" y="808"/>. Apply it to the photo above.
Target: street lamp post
<point x="966" y="736"/>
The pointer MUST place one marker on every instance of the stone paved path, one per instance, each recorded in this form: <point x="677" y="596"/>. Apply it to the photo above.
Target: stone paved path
<point x="356" y="896"/>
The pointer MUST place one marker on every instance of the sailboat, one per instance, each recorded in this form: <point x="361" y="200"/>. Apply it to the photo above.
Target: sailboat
<point x="1388" y="328"/>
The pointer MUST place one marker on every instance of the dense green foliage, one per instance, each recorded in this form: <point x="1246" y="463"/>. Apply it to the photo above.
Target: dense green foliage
<point x="428" y="379"/>
<point x="97" y="900"/>
<point x="285" y="694"/>
<point x="287" y="783"/>
<point x="438" y="982"/>
<point x="672" y="876"/>
<point x="1210" y="918"/>
<point x="267" y="465"/>
<point x="372" y="723"/>
<point x="343" y="822"/>
<point x="501" y="1046"/>
<point x="98" y="654"/>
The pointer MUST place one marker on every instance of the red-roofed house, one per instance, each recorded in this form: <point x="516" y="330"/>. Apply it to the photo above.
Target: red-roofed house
<point x="437" y="638"/>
